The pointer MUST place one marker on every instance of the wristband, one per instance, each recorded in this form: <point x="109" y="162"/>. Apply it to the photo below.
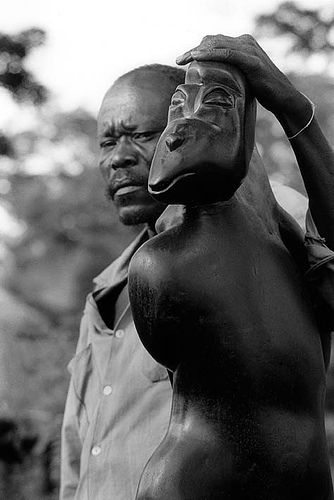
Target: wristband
<point x="308" y="123"/>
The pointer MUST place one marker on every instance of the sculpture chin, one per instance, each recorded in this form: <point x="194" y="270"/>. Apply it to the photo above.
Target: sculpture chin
<point x="189" y="188"/>
<point x="168" y="191"/>
<point x="194" y="188"/>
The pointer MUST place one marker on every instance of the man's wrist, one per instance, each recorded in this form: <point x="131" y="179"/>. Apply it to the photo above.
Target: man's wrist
<point x="296" y="115"/>
<point x="300" y="131"/>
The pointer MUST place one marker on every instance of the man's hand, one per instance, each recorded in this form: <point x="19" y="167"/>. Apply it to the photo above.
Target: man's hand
<point x="268" y="84"/>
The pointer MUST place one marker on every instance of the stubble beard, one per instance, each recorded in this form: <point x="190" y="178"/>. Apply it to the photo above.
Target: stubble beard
<point x="134" y="216"/>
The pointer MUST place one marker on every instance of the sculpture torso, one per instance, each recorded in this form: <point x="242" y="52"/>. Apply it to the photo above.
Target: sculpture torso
<point x="240" y="336"/>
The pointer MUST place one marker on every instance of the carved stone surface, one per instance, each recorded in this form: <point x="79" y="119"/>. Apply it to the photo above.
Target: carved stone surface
<point x="220" y="300"/>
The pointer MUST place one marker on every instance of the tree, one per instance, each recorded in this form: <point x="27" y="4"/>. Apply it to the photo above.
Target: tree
<point x="310" y="30"/>
<point x="14" y="76"/>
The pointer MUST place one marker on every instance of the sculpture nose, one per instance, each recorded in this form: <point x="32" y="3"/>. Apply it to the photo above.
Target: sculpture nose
<point x="174" y="141"/>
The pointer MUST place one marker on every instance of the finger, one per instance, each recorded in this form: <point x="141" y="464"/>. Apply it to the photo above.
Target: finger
<point x="206" y="44"/>
<point x="185" y="58"/>
<point x="240" y="59"/>
<point x="216" y="42"/>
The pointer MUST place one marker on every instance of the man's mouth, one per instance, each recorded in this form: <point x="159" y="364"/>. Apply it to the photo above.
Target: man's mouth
<point x="125" y="186"/>
<point x="121" y="191"/>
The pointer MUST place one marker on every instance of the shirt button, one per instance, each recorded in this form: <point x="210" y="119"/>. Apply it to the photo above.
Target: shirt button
<point x="119" y="334"/>
<point x="96" y="450"/>
<point x="107" y="390"/>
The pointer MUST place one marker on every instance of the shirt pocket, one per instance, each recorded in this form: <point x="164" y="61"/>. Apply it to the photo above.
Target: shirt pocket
<point x="86" y="386"/>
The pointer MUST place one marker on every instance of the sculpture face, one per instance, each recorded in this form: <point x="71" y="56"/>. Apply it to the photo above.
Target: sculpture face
<point x="203" y="154"/>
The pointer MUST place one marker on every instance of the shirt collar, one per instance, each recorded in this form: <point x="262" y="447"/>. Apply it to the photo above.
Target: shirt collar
<point x="118" y="270"/>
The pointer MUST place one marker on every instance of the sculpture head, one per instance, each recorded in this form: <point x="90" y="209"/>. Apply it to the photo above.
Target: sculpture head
<point x="204" y="153"/>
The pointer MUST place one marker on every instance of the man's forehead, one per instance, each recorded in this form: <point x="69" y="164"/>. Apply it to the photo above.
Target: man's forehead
<point x="121" y="96"/>
<point x="143" y="83"/>
<point x="129" y="106"/>
<point x="148" y="89"/>
<point x="213" y="72"/>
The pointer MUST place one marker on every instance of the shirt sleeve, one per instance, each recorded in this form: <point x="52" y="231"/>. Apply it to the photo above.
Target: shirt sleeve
<point x="71" y="445"/>
<point x="321" y="269"/>
<point x="70" y="449"/>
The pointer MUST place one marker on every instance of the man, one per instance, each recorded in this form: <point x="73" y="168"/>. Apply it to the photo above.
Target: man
<point x="118" y="404"/>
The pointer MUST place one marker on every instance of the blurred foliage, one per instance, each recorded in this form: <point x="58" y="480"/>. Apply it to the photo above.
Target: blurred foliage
<point x="6" y="147"/>
<point x="311" y="31"/>
<point x="14" y="76"/>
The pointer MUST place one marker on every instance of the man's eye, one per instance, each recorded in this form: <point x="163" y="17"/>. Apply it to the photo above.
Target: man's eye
<point x="219" y="99"/>
<point x="144" y="136"/>
<point x="109" y="143"/>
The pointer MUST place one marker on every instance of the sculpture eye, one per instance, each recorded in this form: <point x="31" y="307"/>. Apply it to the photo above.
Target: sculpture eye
<point x="177" y="99"/>
<point x="219" y="98"/>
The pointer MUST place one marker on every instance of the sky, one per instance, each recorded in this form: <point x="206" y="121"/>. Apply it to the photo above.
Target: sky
<point x="90" y="43"/>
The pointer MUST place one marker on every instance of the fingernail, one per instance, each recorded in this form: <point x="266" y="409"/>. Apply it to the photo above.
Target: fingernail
<point x="179" y="58"/>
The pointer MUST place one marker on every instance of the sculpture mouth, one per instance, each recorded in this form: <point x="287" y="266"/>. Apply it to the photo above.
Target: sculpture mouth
<point x="164" y="186"/>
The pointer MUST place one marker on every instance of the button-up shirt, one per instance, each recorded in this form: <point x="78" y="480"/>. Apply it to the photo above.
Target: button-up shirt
<point x="118" y="404"/>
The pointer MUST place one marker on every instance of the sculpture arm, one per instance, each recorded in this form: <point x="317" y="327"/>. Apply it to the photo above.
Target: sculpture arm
<point x="293" y="110"/>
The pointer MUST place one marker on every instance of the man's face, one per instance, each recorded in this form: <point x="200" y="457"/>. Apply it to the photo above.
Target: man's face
<point x="132" y="116"/>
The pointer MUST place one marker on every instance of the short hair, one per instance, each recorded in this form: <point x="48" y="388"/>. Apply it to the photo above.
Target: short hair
<point x="175" y="75"/>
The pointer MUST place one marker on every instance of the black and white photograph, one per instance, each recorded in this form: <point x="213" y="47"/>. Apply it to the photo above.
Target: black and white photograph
<point x="166" y="250"/>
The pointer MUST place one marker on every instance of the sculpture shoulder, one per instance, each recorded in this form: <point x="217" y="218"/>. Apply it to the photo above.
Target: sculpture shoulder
<point x="154" y="283"/>
<point x="160" y="256"/>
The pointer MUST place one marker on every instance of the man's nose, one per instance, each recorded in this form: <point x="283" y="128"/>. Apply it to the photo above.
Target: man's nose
<point x="123" y="156"/>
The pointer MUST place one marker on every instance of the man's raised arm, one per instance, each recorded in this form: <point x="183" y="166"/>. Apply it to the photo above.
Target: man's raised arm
<point x="294" y="111"/>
